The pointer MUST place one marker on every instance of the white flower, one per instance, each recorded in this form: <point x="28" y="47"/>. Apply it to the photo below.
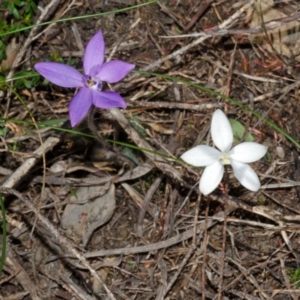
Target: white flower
<point x="214" y="160"/>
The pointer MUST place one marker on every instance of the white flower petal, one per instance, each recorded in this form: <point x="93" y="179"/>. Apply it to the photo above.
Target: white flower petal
<point x="248" y="152"/>
<point x="246" y="175"/>
<point x="211" y="177"/>
<point x="221" y="131"/>
<point x="201" y="156"/>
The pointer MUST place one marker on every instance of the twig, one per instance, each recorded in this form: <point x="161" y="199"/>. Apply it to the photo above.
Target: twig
<point x="250" y="277"/>
<point x="45" y="12"/>
<point x="21" y="276"/>
<point x="24" y="169"/>
<point x="201" y="39"/>
<point x="115" y="48"/>
<point x="171" y="105"/>
<point x="195" y="243"/>
<point x="271" y="25"/>
<point x="156" y="246"/>
<point x="192" y="22"/>
<point x="201" y="289"/>
<point x="157" y="160"/>
<point x="204" y="257"/>
<point x="61" y="240"/>
<point x="222" y="26"/>
<point x="147" y="198"/>
<point x="284" y="90"/>
<point x="160" y="163"/>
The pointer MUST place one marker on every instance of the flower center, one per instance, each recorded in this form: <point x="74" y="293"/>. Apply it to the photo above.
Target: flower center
<point x="224" y="158"/>
<point x="92" y="82"/>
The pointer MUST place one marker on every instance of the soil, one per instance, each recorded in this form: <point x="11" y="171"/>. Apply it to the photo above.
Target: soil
<point x="155" y="236"/>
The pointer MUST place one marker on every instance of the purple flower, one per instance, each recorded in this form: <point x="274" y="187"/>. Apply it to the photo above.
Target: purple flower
<point x="91" y="83"/>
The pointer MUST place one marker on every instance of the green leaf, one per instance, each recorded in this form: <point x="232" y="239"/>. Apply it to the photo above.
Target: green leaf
<point x="73" y="193"/>
<point x="27" y="83"/>
<point x="237" y="128"/>
<point x="135" y="123"/>
<point x="50" y="123"/>
<point x="130" y="153"/>
<point x="3" y="131"/>
<point x="16" y="13"/>
<point x="249" y="137"/>
<point x="295" y="276"/>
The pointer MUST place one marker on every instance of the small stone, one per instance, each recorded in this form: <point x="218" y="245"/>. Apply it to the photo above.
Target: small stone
<point x="280" y="152"/>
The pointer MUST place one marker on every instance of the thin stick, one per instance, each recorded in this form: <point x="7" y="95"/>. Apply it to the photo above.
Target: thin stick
<point x="13" y="180"/>
<point x="195" y="243"/>
<point x="61" y="240"/>
<point x="205" y="241"/>
<point x="222" y="26"/>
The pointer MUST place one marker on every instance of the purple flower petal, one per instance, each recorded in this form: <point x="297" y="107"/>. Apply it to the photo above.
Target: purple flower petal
<point x="113" y="71"/>
<point x="108" y="100"/>
<point x="80" y="105"/>
<point x="60" y="74"/>
<point x="94" y="54"/>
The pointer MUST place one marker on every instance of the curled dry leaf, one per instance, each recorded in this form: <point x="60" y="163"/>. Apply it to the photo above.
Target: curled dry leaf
<point x="12" y="50"/>
<point x="92" y="207"/>
<point x="160" y="129"/>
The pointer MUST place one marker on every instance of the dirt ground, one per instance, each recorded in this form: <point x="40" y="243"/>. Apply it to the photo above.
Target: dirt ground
<point x="88" y="218"/>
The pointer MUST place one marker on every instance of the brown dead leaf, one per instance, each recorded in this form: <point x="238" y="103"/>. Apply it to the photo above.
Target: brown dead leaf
<point x="95" y="207"/>
<point x="160" y="129"/>
<point x="285" y="39"/>
<point x="17" y="130"/>
<point x="104" y="166"/>
<point x="12" y="50"/>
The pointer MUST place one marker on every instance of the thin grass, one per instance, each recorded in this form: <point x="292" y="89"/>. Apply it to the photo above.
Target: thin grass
<point x="4" y="234"/>
<point x="189" y="83"/>
<point x="55" y="124"/>
<point x="80" y="17"/>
